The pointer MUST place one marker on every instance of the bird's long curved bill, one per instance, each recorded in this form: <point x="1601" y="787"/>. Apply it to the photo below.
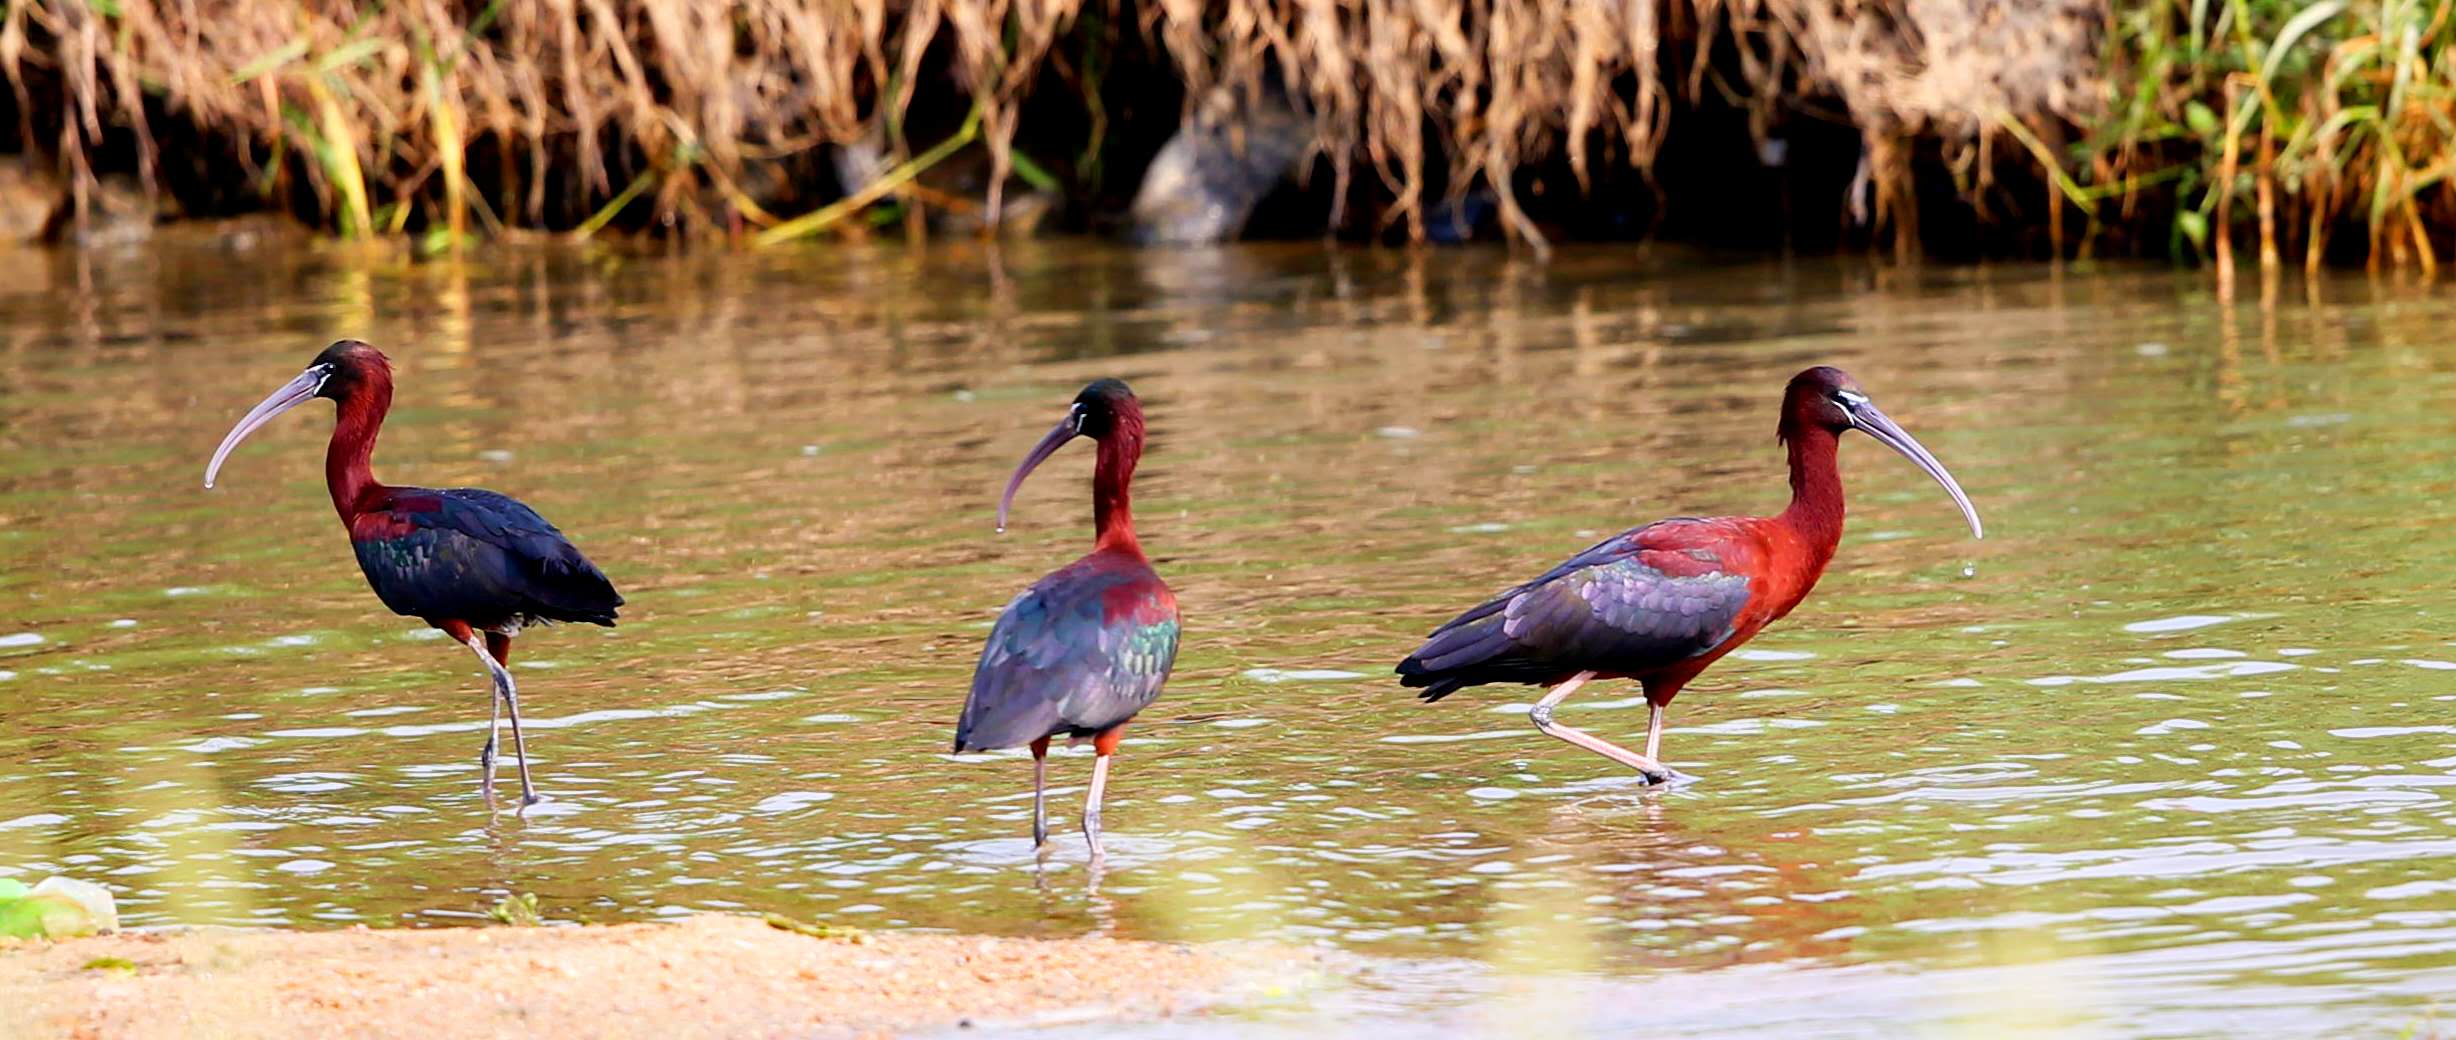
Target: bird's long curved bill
<point x="1057" y="438"/>
<point x="1883" y="428"/>
<point x="292" y="394"/>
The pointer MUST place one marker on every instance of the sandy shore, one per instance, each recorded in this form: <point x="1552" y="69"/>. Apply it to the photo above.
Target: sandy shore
<point x="707" y="976"/>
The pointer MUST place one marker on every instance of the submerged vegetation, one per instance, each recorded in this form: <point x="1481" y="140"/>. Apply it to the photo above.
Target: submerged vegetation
<point x="519" y="910"/>
<point x="2188" y="128"/>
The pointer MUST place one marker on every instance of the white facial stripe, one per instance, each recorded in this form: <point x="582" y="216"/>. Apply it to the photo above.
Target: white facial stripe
<point x="1852" y="398"/>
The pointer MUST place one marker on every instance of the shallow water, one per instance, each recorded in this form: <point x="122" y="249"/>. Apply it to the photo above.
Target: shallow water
<point x="2170" y="753"/>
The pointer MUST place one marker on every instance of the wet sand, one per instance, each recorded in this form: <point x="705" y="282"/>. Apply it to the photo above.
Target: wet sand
<point x="707" y="976"/>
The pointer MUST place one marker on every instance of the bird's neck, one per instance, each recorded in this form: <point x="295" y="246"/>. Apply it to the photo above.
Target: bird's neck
<point x="1112" y="499"/>
<point x="1815" y="513"/>
<point x="349" y="470"/>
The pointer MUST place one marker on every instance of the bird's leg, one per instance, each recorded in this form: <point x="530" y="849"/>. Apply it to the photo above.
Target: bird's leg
<point x="462" y="633"/>
<point x="1040" y="786"/>
<point x="1646" y="766"/>
<point x="1654" y="730"/>
<point x="1103" y="746"/>
<point x="498" y="646"/>
<point x="486" y="755"/>
<point x="510" y="695"/>
<point x="520" y="746"/>
<point x="1091" y="805"/>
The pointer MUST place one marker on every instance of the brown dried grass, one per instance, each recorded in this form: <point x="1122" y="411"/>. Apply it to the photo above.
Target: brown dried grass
<point x="377" y="106"/>
<point x="378" y="110"/>
<point x="693" y="93"/>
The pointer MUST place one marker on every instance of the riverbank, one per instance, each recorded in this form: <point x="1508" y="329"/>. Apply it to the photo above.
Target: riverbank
<point x="2292" y="132"/>
<point x="708" y="975"/>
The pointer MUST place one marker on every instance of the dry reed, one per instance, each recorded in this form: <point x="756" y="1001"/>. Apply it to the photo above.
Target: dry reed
<point x="2280" y="120"/>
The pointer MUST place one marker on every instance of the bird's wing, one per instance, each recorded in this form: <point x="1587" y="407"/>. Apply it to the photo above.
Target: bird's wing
<point x="472" y="552"/>
<point x="1640" y="600"/>
<point x="1080" y="651"/>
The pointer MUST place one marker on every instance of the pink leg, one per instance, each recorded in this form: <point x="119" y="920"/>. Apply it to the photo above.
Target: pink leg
<point x="507" y="697"/>
<point x="1646" y="766"/>
<point x="1091" y="804"/>
<point x="1103" y="746"/>
<point x="1040" y="784"/>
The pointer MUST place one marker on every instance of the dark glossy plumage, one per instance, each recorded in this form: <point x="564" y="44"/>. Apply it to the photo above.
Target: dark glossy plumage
<point x="477" y="565"/>
<point x="478" y="556"/>
<point x="1637" y="602"/>
<point x="1082" y="650"/>
<point x="1661" y="603"/>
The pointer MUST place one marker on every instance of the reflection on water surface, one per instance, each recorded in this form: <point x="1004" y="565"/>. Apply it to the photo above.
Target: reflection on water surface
<point x="2170" y="753"/>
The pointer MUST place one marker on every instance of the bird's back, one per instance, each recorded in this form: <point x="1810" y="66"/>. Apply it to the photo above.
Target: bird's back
<point x="1081" y="651"/>
<point x="478" y="556"/>
<point x="1640" y="601"/>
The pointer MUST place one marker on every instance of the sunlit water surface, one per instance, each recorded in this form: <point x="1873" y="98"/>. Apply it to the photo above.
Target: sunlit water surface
<point x="2170" y="753"/>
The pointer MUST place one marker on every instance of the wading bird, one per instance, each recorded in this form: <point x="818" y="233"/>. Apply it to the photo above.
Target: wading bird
<point x="476" y="564"/>
<point x="1661" y="602"/>
<point x="1088" y="646"/>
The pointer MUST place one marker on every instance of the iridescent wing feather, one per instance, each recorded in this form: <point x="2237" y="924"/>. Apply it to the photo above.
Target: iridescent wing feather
<point x="477" y="556"/>
<point x="1641" y="600"/>
<point x="1080" y="651"/>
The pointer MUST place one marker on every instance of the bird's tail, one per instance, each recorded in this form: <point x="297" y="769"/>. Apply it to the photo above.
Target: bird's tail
<point x="995" y="717"/>
<point x="1470" y="651"/>
<point x="571" y="589"/>
<point x="1433" y="687"/>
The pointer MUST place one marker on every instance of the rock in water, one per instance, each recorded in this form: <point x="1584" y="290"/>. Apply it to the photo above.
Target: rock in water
<point x="59" y="908"/>
<point x="28" y="195"/>
<point x="118" y="212"/>
<point x="1206" y="180"/>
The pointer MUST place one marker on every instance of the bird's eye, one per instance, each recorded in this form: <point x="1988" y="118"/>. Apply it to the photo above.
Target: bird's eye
<point x="1850" y="398"/>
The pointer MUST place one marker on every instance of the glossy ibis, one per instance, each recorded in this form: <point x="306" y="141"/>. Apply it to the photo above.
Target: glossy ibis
<point x="476" y="564"/>
<point x="1088" y="646"/>
<point x="1661" y="602"/>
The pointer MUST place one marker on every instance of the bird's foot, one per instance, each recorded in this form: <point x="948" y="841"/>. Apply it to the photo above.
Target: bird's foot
<point x="486" y="770"/>
<point x="1091" y="834"/>
<point x="1660" y="775"/>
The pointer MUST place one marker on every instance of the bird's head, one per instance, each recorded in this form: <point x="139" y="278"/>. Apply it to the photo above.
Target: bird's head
<point x="1828" y="399"/>
<point x="343" y="371"/>
<point x="1820" y="397"/>
<point x="349" y="366"/>
<point x="1106" y="410"/>
<point x="1105" y="407"/>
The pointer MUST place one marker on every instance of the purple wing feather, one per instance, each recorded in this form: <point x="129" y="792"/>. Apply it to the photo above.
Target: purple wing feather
<point x="1057" y="663"/>
<point x="1606" y="609"/>
<point x="478" y="556"/>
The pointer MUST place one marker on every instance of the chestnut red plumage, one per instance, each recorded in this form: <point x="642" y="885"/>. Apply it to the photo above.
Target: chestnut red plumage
<point x="479" y="565"/>
<point x="1660" y="603"/>
<point x="1088" y="646"/>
